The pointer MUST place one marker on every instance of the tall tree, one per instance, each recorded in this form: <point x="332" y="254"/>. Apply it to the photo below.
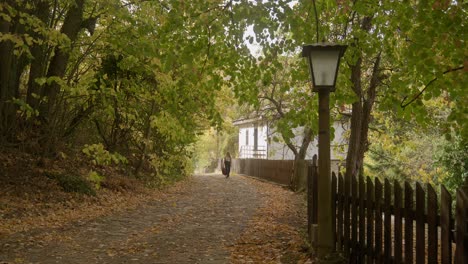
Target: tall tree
<point x="285" y="103"/>
<point x="389" y="58"/>
<point x="137" y="77"/>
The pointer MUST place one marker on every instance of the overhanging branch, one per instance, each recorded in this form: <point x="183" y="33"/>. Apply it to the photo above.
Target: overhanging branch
<point x="403" y="104"/>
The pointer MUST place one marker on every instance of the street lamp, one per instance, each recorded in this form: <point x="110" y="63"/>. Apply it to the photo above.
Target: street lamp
<point x="324" y="61"/>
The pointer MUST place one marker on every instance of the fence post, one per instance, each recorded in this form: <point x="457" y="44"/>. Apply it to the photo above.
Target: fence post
<point x="387" y="222"/>
<point x="398" y="223"/>
<point x="408" y="223"/>
<point x="354" y="217"/>
<point x="432" y="232"/>
<point x="420" y="224"/>
<point x="362" y="218"/>
<point x="339" y="216"/>
<point x="312" y="201"/>
<point x="346" y="218"/>
<point x="446" y="227"/>
<point x="370" y="220"/>
<point x="333" y="194"/>
<point x="378" y="221"/>
<point x="461" y="218"/>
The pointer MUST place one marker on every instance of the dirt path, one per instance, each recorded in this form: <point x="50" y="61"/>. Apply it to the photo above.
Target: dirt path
<point x="200" y="222"/>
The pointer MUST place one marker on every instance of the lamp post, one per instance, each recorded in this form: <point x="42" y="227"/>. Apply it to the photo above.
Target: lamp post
<point x="324" y="61"/>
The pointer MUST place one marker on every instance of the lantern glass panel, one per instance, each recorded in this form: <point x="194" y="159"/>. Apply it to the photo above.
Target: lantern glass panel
<point x="324" y="66"/>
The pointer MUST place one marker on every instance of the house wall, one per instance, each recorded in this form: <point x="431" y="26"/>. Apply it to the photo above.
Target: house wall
<point x="280" y="151"/>
<point x="247" y="139"/>
<point x="270" y="149"/>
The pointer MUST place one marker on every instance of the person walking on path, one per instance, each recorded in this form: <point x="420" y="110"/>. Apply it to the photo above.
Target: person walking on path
<point x="227" y="163"/>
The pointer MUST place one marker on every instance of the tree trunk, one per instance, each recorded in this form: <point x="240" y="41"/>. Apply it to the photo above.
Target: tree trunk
<point x="72" y="25"/>
<point x="305" y="142"/>
<point x="58" y="65"/>
<point x="353" y="160"/>
<point x="300" y="156"/>
<point x="367" y="110"/>
<point x="361" y="118"/>
<point x="146" y="137"/>
<point x="11" y="68"/>
<point x="361" y="115"/>
<point x="39" y="54"/>
<point x="7" y="110"/>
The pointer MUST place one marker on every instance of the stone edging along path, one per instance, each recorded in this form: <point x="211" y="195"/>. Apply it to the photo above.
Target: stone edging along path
<point x="210" y="219"/>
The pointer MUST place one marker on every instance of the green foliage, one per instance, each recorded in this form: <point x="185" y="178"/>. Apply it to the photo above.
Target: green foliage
<point x="213" y="143"/>
<point x="101" y="156"/>
<point x="96" y="179"/>
<point x="454" y="160"/>
<point x="212" y="146"/>
<point x="207" y="150"/>
<point x="408" y="151"/>
<point x="429" y="62"/>
<point x="72" y="183"/>
<point x="141" y="79"/>
<point x="147" y="77"/>
<point x="230" y="142"/>
<point x="169" y="170"/>
<point x="25" y="109"/>
<point x="284" y="98"/>
<point x="422" y="68"/>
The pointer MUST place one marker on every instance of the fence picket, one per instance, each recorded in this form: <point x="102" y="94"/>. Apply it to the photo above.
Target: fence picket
<point x="340" y="212"/>
<point x="362" y="218"/>
<point x="420" y="224"/>
<point x="446" y="228"/>
<point x="370" y="221"/>
<point x="432" y="230"/>
<point x="333" y="199"/>
<point x="398" y="224"/>
<point x="408" y="223"/>
<point x="354" y="217"/>
<point x="369" y="229"/>
<point x="346" y="216"/>
<point x="310" y="209"/>
<point x="387" y="222"/>
<point x="461" y="218"/>
<point x="378" y="220"/>
<point x="315" y="190"/>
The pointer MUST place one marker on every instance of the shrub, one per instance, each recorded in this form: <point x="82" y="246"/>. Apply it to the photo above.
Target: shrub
<point x="96" y="179"/>
<point x="100" y="156"/>
<point x="72" y="183"/>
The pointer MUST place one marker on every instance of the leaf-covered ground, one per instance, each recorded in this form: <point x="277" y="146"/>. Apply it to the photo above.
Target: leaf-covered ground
<point x="275" y="234"/>
<point x="206" y="219"/>
<point x="29" y="200"/>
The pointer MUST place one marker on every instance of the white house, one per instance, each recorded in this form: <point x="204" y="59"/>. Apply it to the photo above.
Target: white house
<point x="256" y="140"/>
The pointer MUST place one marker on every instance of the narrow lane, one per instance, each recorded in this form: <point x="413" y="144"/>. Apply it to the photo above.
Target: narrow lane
<point x="193" y="224"/>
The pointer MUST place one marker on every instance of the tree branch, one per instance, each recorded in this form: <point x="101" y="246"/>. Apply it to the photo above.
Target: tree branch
<point x="349" y="20"/>
<point x="207" y="53"/>
<point x="403" y="104"/>
<point x="279" y="110"/>
<point x="277" y="104"/>
<point x="316" y="21"/>
<point x="375" y="80"/>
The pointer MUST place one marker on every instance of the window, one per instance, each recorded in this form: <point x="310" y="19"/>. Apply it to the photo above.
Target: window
<point x="247" y="137"/>
<point x="255" y="138"/>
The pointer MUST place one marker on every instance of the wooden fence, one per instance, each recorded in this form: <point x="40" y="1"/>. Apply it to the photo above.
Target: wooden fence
<point x="388" y="223"/>
<point x="278" y="171"/>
